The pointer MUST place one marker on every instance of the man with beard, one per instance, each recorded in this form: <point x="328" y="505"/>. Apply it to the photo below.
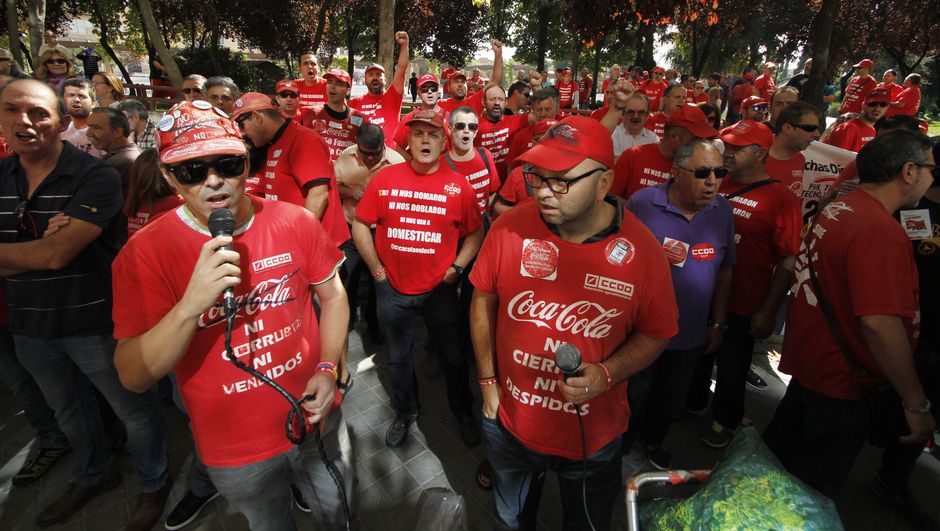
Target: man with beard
<point x="753" y="108"/>
<point x="497" y="128"/>
<point x="383" y="107"/>
<point x="858" y="88"/>
<point x="544" y="107"/>
<point x="855" y="133"/>
<point x="673" y="98"/>
<point x="797" y="126"/>
<point x="78" y="96"/>
<point x="429" y="95"/>
<point x="632" y="130"/>
<point x="287" y="94"/>
<point x="312" y="86"/>
<point x="337" y="122"/>
<point x="458" y="84"/>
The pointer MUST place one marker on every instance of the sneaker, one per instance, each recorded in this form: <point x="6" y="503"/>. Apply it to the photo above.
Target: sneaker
<point x="40" y="463"/>
<point x="658" y="457"/>
<point x="74" y="499"/>
<point x="469" y="431"/>
<point x="716" y="436"/>
<point x="149" y="508"/>
<point x="398" y="431"/>
<point x="754" y="381"/>
<point x="187" y="510"/>
<point x="298" y="498"/>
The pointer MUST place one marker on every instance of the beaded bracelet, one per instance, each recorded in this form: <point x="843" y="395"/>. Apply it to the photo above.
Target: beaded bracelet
<point x="487" y="381"/>
<point x="610" y="380"/>
<point x="327" y="366"/>
<point x="378" y="272"/>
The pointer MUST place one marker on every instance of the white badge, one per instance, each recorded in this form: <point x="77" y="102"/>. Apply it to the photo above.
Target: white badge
<point x="916" y="224"/>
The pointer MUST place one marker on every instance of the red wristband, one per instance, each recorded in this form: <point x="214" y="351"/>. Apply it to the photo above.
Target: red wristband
<point x="610" y="380"/>
<point x="487" y="381"/>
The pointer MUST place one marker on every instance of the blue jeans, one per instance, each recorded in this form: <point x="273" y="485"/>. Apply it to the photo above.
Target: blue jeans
<point x="27" y="394"/>
<point x="519" y="473"/>
<point x="57" y="364"/>
<point x="199" y="482"/>
<point x="439" y="308"/>
<point x="261" y="492"/>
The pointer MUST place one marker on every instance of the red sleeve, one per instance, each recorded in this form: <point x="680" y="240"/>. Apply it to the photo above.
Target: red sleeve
<point x="369" y="207"/>
<point x="886" y="275"/>
<point x="323" y="256"/>
<point x="475" y="102"/>
<point x="486" y="267"/>
<point x="839" y="137"/>
<point x="142" y="296"/>
<point x="622" y="170"/>
<point x="787" y="226"/>
<point x="310" y="162"/>
<point x="513" y="191"/>
<point x="401" y="136"/>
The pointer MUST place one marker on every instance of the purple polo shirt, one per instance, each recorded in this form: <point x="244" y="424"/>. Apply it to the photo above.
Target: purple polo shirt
<point x="695" y="249"/>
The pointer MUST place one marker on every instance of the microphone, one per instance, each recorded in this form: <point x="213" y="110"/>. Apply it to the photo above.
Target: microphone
<point x="222" y="222"/>
<point x="568" y="359"/>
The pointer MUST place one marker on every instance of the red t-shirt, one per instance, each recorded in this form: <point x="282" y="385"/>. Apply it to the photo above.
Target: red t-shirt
<point x="495" y="137"/>
<point x="481" y="175"/>
<point x="297" y="160"/>
<point x="893" y="88"/>
<point x="383" y="111"/>
<point x="910" y="97"/>
<point x="851" y="135"/>
<point x="654" y="91"/>
<point x="566" y="94"/>
<point x="855" y="94"/>
<point x="338" y="133"/>
<point x="514" y="190"/>
<point x="767" y="224"/>
<point x="584" y="89"/>
<point x="476" y="84"/>
<point x="146" y="213"/>
<point x="789" y="172"/>
<point x="739" y="93"/>
<point x="236" y="419"/>
<point x="656" y="123"/>
<point x="474" y="101"/>
<point x="691" y="99"/>
<point x="766" y="87"/>
<point x="640" y="167"/>
<point x="865" y="264"/>
<point x="418" y="219"/>
<point x="311" y="95"/>
<point x="550" y="291"/>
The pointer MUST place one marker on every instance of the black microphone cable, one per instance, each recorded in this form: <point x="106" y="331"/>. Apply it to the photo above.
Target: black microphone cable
<point x="568" y="360"/>
<point x="587" y="514"/>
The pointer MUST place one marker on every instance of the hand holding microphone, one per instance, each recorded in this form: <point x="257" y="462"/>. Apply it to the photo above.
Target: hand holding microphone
<point x="216" y="270"/>
<point x="582" y="381"/>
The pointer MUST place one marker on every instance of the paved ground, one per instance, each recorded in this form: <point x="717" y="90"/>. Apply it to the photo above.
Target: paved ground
<point x="391" y="482"/>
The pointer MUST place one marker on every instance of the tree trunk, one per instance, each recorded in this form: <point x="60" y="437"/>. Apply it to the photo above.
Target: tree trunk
<point x="212" y="21"/>
<point x="351" y="32"/>
<point x="37" y="22"/>
<point x="820" y="38"/>
<point x="644" y="55"/>
<point x="597" y="72"/>
<point x="321" y="25"/>
<point x="698" y="63"/>
<point x="106" y="44"/>
<point x="386" y="34"/>
<point x="499" y="32"/>
<point x="576" y="58"/>
<point x="152" y="31"/>
<point x="14" y="32"/>
<point x="542" y="38"/>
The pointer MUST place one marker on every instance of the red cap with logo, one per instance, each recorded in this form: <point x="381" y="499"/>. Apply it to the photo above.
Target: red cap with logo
<point x="287" y="84"/>
<point x="340" y="75"/>
<point x="250" y="102"/>
<point x="753" y="100"/>
<point x="427" y="78"/>
<point x="542" y="126"/>
<point x="457" y="74"/>
<point x="878" y="95"/>
<point x="691" y="118"/>
<point x="569" y="142"/>
<point x="192" y="130"/>
<point x="659" y="69"/>
<point x="426" y="116"/>
<point x="749" y="133"/>
<point x="864" y="63"/>
<point x="376" y="66"/>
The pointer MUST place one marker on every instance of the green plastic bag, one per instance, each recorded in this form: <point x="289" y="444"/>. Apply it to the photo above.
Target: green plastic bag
<point x="749" y="490"/>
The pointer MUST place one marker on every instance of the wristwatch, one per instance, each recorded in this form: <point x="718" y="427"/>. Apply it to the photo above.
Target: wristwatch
<point x="717" y="325"/>
<point x="458" y="269"/>
<point x="922" y="410"/>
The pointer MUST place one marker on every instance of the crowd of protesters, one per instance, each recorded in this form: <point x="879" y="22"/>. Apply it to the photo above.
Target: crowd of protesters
<point x="659" y="236"/>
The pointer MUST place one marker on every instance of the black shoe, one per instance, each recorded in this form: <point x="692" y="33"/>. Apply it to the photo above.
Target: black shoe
<point x="74" y="498"/>
<point x="398" y="432"/>
<point x="659" y="457"/>
<point x="40" y="463"/>
<point x="469" y="431"/>
<point x="754" y="381"/>
<point x="187" y="510"/>
<point x="299" y="499"/>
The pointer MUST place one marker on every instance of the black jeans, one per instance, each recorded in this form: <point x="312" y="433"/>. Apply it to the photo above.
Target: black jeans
<point x="438" y="307"/>
<point x="734" y="358"/>
<point x="352" y="271"/>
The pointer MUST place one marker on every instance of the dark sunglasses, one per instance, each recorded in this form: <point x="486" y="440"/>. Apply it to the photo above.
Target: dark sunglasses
<point x="189" y="173"/>
<point x="240" y="121"/>
<point x="286" y="95"/>
<point x="460" y="126"/>
<point x="759" y="108"/>
<point x="25" y="223"/>
<point x="703" y="173"/>
<point x="56" y="61"/>
<point x="192" y="91"/>
<point x="809" y="128"/>
<point x="877" y="104"/>
<point x="429" y="88"/>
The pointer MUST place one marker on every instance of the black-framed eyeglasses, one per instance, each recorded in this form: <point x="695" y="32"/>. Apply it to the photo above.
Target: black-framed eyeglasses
<point x="429" y="88"/>
<point x="460" y="126"/>
<point x="555" y="184"/>
<point x="189" y="173"/>
<point x="287" y="94"/>
<point x="809" y="128"/>
<point x="703" y="173"/>
<point x="26" y="225"/>
<point x="934" y="169"/>
<point x="877" y="104"/>
<point x="192" y="90"/>
<point x="56" y="61"/>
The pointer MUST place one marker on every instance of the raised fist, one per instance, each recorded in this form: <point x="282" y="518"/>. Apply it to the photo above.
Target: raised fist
<point x="497" y="46"/>
<point x="401" y="37"/>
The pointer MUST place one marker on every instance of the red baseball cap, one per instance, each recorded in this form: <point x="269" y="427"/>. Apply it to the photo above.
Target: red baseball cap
<point x="753" y="100"/>
<point x="569" y="142"/>
<point x="427" y="78"/>
<point x="659" y="69"/>
<point x="340" y="75"/>
<point x="864" y="63"/>
<point x="455" y="75"/>
<point x="375" y="66"/>
<point x="426" y="116"/>
<point x="748" y="76"/>
<point x="192" y="130"/>
<point x="250" y="102"/>
<point x="692" y="118"/>
<point x="542" y="126"/>
<point x="749" y="133"/>
<point x="287" y="84"/>
<point x="878" y="95"/>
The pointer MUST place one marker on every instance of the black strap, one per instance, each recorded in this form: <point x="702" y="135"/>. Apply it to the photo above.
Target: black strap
<point x="486" y="160"/>
<point x="748" y="188"/>
<point x="450" y="161"/>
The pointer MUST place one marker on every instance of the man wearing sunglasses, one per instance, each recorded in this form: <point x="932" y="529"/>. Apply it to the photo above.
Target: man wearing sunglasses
<point x="767" y="224"/>
<point x="753" y="108"/>
<point x="797" y="127"/>
<point x="855" y="133"/>
<point x="192" y="87"/>
<point x="380" y="106"/>
<point x="517" y="100"/>
<point x="335" y="121"/>
<point x="287" y="94"/>
<point x="429" y="96"/>
<point x="572" y="251"/>
<point x="696" y="227"/>
<point x="858" y="88"/>
<point x="60" y="300"/>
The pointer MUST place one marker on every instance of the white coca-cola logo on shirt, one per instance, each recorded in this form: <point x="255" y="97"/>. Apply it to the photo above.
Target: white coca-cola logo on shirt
<point x="266" y="294"/>
<point x="581" y="317"/>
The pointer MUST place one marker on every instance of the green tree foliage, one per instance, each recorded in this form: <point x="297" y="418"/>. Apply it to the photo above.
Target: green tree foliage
<point x="225" y="63"/>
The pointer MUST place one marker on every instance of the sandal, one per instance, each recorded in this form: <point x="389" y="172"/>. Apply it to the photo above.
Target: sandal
<point x="344" y="387"/>
<point x="485" y="475"/>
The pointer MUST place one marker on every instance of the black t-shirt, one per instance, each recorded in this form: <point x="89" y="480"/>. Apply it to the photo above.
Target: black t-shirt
<point x="75" y="300"/>
<point x="927" y="256"/>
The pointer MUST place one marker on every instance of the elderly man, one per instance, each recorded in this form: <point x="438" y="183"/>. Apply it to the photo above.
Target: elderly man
<point x="193" y="87"/>
<point x="380" y="106"/>
<point x="574" y="249"/>
<point x="416" y="264"/>
<point x="765" y="84"/>
<point x="852" y="303"/>
<point x="858" y="88"/>
<point x="632" y="130"/>
<point x="78" y="96"/>
<point x="672" y="98"/>
<point x="50" y="42"/>
<point x="613" y="78"/>
<point x="855" y="133"/>
<point x="696" y="227"/>
<point x="797" y="126"/>
<point x="222" y="92"/>
<point x="109" y="131"/>
<point x="138" y="117"/>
